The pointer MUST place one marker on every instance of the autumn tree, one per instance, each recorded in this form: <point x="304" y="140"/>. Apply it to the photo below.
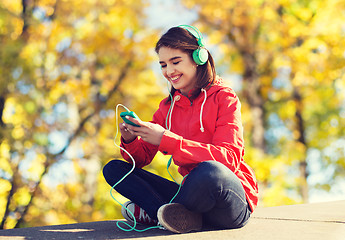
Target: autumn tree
<point x="286" y="53"/>
<point x="64" y="67"/>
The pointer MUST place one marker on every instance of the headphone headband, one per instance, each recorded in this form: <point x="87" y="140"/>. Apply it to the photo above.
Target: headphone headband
<point x="200" y="55"/>
<point x="195" y="32"/>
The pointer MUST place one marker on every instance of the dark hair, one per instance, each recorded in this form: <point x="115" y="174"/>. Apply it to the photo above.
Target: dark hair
<point x="182" y="39"/>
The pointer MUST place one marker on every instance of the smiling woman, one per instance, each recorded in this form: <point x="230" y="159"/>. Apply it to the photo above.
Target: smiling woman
<point x="199" y="124"/>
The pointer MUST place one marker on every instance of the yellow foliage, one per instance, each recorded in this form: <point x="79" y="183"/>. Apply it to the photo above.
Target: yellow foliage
<point x="269" y="14"/>
<point x="288" y="111"/>
<point x="18" y="27"/>
<point x="144" y="90"/>
<point x="22" y="196"/>
<point x="30" y="51"/>
<point x="216" y="37"/>
<point x="10" y="111"/>
<point x="260" y="163"/>
<point x="37" y="166"/>
<point x="90" y="128"/>
<point x="276" y="196"/>
<point x="56" y="92"/>
<point x="5" y="186"/>
<point x="237" y="65"/>
<point x="4" y="150"/>
<point x="11" y="221"/>
<point x="18" y="133"/>
<point x="14" y="6"/>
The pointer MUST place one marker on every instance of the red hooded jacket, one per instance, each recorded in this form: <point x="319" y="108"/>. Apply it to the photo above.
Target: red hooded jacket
<point x="208" y="128"/>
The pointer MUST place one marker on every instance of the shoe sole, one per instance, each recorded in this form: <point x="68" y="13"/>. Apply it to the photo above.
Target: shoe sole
<point x="176" y="218"/>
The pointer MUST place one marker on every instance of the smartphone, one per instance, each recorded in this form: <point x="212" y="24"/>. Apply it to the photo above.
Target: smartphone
<point x="131" y="114"/>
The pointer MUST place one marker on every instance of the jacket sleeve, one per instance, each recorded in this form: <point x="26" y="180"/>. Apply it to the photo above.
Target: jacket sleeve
<point x="227" y="144"/>
<point x="141" y="151"/>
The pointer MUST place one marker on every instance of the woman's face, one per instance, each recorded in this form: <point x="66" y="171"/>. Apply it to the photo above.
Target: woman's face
<point x="178" y="68"/>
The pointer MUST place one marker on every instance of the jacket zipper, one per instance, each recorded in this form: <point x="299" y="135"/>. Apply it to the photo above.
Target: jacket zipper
<point x="191" y="110"/>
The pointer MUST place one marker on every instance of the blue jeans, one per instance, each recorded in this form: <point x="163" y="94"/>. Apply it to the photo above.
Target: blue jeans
<point x="210" y="188"/>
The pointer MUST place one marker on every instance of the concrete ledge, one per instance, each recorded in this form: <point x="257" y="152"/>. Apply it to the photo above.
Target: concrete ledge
<point x="306" y="221"/>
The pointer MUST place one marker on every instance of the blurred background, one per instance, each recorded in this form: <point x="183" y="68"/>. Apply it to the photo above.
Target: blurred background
<point x="66" y="64"/>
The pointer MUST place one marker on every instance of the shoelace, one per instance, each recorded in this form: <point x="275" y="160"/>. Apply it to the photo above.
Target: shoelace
<point x="143" y="216"/>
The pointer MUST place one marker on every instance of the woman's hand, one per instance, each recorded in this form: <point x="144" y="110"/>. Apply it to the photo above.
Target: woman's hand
<point x="126" y="134"/>
<point x="149" y="132"/>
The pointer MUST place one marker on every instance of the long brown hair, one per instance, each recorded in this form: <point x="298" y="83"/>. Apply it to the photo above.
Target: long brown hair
<point x="182" y="39"/>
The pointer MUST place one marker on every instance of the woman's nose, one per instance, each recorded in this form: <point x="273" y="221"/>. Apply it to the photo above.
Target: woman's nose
<point x="170" y="69"/>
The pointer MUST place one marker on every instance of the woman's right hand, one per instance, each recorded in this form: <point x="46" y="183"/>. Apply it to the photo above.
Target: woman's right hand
<point x="126" y="134"/>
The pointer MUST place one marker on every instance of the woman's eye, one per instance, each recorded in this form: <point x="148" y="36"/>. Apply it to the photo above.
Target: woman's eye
<point x="165" y="65"/>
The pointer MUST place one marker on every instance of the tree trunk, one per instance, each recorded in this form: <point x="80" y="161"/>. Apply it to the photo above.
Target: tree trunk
<point x="303" y="187"/>
<point x="251" y="90"/>
<point x="2" y="107"/>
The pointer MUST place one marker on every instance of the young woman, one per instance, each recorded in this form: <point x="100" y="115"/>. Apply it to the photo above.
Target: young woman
<point x="200" y="126"/>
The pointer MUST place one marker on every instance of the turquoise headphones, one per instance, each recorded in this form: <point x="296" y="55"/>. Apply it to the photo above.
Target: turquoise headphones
<point x="200" y="55"/>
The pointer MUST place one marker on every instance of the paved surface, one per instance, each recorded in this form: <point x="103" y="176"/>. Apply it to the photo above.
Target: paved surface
<point x="306" y="221"/>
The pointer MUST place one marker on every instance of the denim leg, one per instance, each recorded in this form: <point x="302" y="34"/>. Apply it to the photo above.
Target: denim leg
<point x="215" y="191"/>
<point x="147" y="190"/>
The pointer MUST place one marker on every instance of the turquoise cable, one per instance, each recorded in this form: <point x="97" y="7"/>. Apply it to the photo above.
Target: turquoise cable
<point x="133" y="228"/>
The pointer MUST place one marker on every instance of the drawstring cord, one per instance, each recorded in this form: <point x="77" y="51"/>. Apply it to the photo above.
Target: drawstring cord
<point x="176" y="98"/>
<point x="201" y="110"/>
<point x="168" y="119"/>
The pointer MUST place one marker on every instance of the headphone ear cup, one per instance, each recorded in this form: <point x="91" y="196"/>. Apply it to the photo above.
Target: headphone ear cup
<point x="200" y="56"/>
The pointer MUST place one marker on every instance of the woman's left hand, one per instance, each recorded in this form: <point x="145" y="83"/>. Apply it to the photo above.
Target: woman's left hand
<point x="149" y="132"/>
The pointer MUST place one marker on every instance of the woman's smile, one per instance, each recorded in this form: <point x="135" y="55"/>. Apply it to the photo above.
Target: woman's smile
<point x="175" y="79"/>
